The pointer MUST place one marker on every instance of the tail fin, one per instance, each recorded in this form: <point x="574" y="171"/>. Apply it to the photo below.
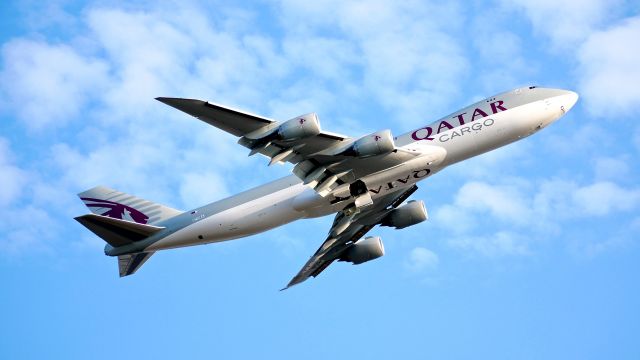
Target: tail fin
<point x="118" y="205"/>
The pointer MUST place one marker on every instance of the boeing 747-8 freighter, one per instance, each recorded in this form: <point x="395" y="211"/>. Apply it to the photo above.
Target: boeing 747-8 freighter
<point x="365" y="181"/>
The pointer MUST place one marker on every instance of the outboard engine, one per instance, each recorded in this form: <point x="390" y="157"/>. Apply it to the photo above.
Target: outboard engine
<point x="300" y="127"/>
<point x="364" y="250"/>
<point x="411" y="213"/>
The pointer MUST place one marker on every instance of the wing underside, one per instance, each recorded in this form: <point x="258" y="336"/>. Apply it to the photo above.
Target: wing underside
<point x="334" y="246"/>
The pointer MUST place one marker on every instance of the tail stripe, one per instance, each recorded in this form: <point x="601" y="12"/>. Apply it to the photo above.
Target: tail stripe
<point x="116" y="210"/>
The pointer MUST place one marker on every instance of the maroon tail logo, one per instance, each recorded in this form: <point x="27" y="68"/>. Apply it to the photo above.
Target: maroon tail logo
<point x="116" y="210"/>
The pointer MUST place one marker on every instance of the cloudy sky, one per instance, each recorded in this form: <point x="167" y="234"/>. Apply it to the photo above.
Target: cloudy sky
<point x="531" y="251"/>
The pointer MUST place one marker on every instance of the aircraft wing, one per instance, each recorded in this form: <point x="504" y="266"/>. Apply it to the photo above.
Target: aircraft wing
<point x="356" y="226"/>
<point x="241" y="123"/>
<point x="323" y="160"/>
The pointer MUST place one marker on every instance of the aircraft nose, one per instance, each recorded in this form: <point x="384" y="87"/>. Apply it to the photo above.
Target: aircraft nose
<point x="568" y="99"/>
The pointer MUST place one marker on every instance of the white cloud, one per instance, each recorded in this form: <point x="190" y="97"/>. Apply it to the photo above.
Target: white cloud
<point x="609" y="69"/>
<point x="522" y="204"/>
<point x="17" y="238"/>
<point x="552" y="201"/>
<point x="325" y="57"/>
<point x="498" y="53"/>
<point x="421" y="259"/>
<point x="611" y="168"/>
<point x="568" y="22"/>
<point x="602" y="198"/>
<point x="410" y="61"/>
<point x="593" y="249"/>
<point x="454" y="218"/>
<point x="48" y="84"/>
<point x="201" y="188"/>
<point x="503" y="202"/>
<point x="475" y="201"/>
<point x="13" y="179"/>
<point x="128" y="140"/>
<point x="581" y="139"/>
<point x="557" y="200"/>
<point x="606" y="240"/>
<point x="594" y="34"/>
<point x="486" y="165"/>
<point x="128" y="165"/>
<point x="502" y="243"/>
<point x="523" y="211"/>
<point x="28" y="220"/>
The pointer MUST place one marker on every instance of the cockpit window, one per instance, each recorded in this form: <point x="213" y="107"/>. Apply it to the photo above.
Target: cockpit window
<point x="532" y="87"/>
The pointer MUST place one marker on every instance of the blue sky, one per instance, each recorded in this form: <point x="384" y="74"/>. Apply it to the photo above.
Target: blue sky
<point x="531" y="251"/>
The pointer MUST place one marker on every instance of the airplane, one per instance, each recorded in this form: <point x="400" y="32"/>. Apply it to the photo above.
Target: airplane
<point x="366" y="181"/>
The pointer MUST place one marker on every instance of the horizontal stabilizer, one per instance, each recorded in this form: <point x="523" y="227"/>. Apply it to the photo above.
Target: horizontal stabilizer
<point x="117" y="232"/>
<point x="130" y="263"/>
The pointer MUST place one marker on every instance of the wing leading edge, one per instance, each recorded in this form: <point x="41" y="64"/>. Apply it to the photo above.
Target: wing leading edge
<point x="240" y="123"/>
<point x="233" y="121"/>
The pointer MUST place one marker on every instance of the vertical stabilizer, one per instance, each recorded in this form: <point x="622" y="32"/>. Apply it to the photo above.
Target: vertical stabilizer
<point x="104" y="201"/>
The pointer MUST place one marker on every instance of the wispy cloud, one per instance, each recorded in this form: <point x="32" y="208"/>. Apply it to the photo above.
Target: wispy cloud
<point x="609" y="71"/>
<point x="408" y="60"/>
<point x="568" y="23"/>
<point x="524" y="211"/>
<point x="493" y="245"/>
<point x="13" y="179"/>
<point x="600" y="40"/>
<point x="421" y="259"/>
<point x="48" y="84"/>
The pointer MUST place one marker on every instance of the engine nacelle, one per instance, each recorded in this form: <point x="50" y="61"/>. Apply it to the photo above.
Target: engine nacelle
<point x="299" y="127"/>
<point x="364" y="250"/>
<point x="411" y="213"/>
<point x="378" y="143"/>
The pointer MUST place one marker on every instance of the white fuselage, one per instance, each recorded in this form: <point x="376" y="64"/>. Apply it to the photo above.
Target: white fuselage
<point x="481" y="127"/>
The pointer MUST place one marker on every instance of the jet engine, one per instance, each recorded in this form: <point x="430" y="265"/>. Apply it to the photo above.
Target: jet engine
<point x="294" y="129"/>
<point x="300" y="127"/>
<point x="411" y="213"/>
<point x="378" y="143"/>
<point x="364" y="250"/>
